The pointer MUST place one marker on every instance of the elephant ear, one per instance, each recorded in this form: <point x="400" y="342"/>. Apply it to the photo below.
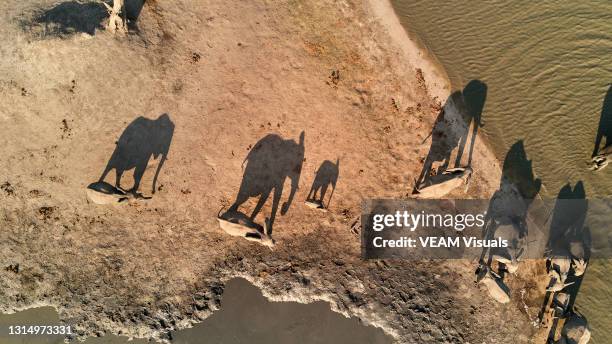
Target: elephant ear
<point x="162" y="136"/>
<point x="163" y="141"/>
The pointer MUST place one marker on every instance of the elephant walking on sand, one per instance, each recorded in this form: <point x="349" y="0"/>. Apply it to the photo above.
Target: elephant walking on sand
<point x="269" y="163"/>
<point x="142" y="139"/>
<point x="451" y="131"/>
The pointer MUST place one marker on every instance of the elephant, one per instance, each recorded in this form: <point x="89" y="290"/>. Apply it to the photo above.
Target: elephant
<point x="600" y="155"/>
<point x="451" y="130"/>
<point x="269" y="163"/>
<point x="442" y="184"/>
<point x="104" y="193"/>
<point x="142" y="139"/>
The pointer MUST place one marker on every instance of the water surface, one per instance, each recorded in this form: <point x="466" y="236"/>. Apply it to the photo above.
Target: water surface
<point x="246" y="316"/>
<point x="46" y="316"/>
<point x="548" y="67"/>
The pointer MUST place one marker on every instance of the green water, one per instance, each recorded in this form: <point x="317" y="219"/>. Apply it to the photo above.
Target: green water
<point x="548" y="67"/>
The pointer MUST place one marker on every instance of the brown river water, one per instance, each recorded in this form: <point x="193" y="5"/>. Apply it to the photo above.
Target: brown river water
<point x="548" y="68"/>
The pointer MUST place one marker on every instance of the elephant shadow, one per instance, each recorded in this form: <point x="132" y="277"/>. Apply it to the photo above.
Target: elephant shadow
<point x="508" y="208"/>
<point x="604" y="130"/>
<point x="326" y="176"/>
<point x="569" y="239"/>
<point x="567" y="227"/>
<point x="269" y="164"/>
<point x="462" y="110"/>
<point x="142" y="139"/>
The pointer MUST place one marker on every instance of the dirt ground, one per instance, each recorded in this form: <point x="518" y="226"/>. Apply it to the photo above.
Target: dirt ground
<point x="227" y="74"/>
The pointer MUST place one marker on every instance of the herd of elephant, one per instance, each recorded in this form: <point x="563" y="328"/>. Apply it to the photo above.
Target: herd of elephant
<point x="269" y="163"/>
<point x="273" y="160"/>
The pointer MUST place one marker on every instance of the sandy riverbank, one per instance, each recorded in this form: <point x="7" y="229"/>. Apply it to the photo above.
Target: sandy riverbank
<point x="438" y="83"/>
<point x="343" y="74"/>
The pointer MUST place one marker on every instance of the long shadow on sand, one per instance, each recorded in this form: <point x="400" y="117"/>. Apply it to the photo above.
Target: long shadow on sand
<point x="142" y="139"/>
<point x="451" y="129"/>
<point x="269" y="163"/>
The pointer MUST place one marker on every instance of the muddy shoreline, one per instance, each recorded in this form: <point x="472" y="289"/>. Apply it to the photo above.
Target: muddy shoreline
<point x="146" y="268"/>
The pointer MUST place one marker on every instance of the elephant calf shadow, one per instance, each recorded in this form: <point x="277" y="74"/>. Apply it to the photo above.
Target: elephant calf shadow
<point x="327" y="175"/>
<point x="142" y="139"/>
